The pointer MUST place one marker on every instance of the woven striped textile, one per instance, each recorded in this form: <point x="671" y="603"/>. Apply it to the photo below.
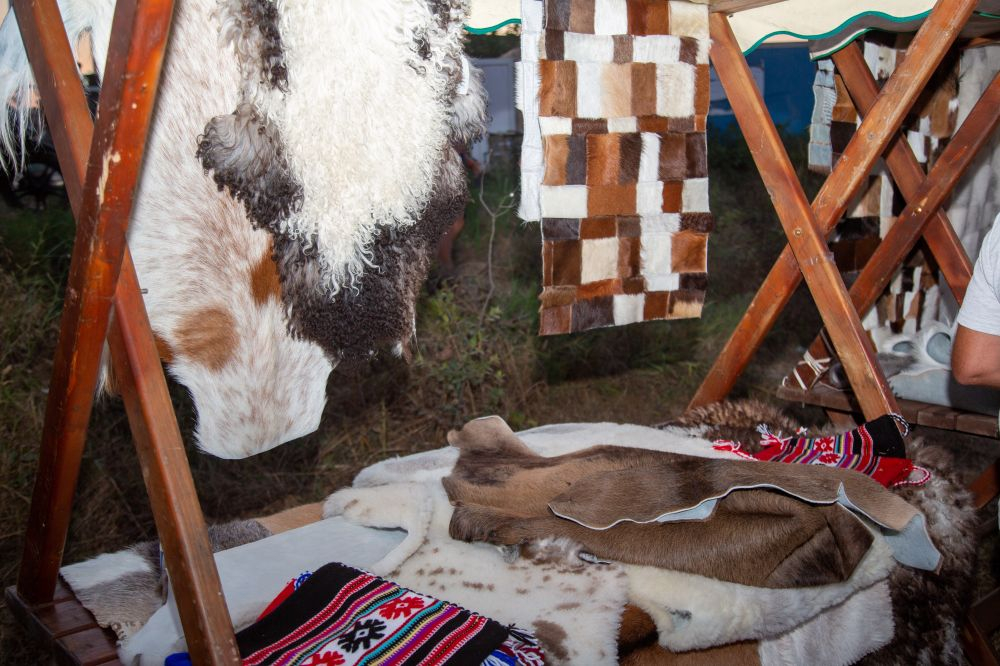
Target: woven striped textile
<point x="622" y="193"/>
<point x="341" y="616"/>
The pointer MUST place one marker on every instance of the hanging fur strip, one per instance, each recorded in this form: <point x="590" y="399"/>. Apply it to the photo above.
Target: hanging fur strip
<point x="287" y="208"/>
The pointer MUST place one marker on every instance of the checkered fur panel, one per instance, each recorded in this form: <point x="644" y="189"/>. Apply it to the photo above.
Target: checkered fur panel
<point x="622" y="98"/>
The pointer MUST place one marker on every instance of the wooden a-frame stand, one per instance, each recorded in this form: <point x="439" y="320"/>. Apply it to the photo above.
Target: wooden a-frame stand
<point x="101" y="164"/>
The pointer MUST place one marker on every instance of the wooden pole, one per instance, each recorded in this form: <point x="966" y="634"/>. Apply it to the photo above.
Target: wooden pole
<point x="926" y="52"/>
<point x="102" y="208"/>
<point x="806" y="238"/>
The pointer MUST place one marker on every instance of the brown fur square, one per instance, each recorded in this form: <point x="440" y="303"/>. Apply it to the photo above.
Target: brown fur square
<point x="633" y="286"/>
<point x="628" y="257"/>
<point x="697" y="156"/>
<point x="556" y="147"/>
<point x="555" y="321"/>
<point x="655" y="124"/>
<point x="560" y="228"/>
<point x="603" y="159"/>
<point x="599" y="289"/>
<point x="576" y="162"/>
<point x="688" y="252"/>
<point x="594" y="313"/>
<point x="555" y="48"/>
<point x="566" y="262"/>
<point x="689" y="50"/>
<point x="553" y="297"/>
<point x="648" y="17"/>
<point x="629" y="227"/>
<point x="673" y="156"/>
<point x="631" y="156"/>
<point x="581" y="16"/>
<point x="656" y="305"/>
<point x="673" y="191"/>
<point x="597" y="227"/>
<point x="702" y="90"/>
<point x="700" y="222"/>
<point x="557" y="14"/>
<point x="643" y="89"/>
<point x="557" y="93"/>
<point x="616" y="91"/>
<point x="683" y="125"/>
<point x="623" y="48"/>
<point x="611" y="200"/>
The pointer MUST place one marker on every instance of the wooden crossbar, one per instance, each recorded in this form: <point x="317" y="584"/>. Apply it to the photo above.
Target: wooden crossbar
<point x="924" y="194"/>
<point x="102" y="274"/>
<point x="928" y="48"/>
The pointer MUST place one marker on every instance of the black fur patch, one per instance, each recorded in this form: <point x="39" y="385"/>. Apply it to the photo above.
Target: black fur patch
<point x="377" y="314"/>
<point x="263" y="15"/>
<point x="245" y="154"/>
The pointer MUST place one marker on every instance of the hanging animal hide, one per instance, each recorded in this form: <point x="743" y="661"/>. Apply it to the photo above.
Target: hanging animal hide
<point x="615" y="159"/>
<point x="637" y="507"/>
<point x="286" y="211"/>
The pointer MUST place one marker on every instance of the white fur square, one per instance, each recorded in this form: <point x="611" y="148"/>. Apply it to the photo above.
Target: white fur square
<point x="649" y="198"/>
<point x="649" y="159"/>
<point x="588" y="48"/>
<point x="675" y="90"/>
<point x="589" y="102"/>
<point x="629" y="308"/>
<point x="663" y="282"/>
<point x="564" y="200"/>
<point x="610" y="17"/>
<point x="599" y="260"/>
<point x="623" y="125"/>
<point x="656" y="48"/>
<point x="688" y="19"/>
<point x="655" y="256"/>
<point x="694" y="198"/>
<point x="664" y="223"/>
<point x="555" y="125"/>
<point x="703" y="48"/>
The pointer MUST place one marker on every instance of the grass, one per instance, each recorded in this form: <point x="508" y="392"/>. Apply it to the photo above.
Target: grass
<point x="476" y="353"/>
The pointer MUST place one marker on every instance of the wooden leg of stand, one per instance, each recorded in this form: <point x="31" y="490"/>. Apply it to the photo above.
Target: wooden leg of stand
<point x="805" y="237"/>
<point x="926" y="51"/>
<point x="179" y="521"/>
<point x="202" y="608"/>
<point x="115" y="157"/>
<point x="925" y="194"/>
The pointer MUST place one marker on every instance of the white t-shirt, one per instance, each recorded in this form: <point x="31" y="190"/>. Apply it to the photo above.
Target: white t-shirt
<point x="981" y="307"/>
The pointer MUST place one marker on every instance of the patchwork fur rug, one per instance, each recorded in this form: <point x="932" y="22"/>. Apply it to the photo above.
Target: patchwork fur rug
<point x="273" y="232"/>
<point x="614" y="164"/>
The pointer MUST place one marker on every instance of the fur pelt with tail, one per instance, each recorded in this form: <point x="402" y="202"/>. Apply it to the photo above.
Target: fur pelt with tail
<point x="287" y="206"/>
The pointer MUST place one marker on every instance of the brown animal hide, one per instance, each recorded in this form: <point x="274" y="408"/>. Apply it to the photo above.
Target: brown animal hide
<point x="612" y="499"/>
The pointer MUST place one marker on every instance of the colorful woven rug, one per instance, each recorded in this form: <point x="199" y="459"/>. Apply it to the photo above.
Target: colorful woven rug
<point x="615" y="94"/>
<point x="341" y="615"/>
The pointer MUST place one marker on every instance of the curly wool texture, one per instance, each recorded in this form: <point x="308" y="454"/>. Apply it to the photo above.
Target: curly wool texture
<point x="362" y="122"/>
<point x="380" y="311"/>
<point x="251" y="27"/>
<point x="244" y="153"/>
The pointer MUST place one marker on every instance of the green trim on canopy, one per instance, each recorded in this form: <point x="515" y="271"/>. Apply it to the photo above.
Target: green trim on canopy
<point x="486" y="31"/>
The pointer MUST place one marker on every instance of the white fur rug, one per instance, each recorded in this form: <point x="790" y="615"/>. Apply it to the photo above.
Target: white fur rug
<point x="571" y="607"/>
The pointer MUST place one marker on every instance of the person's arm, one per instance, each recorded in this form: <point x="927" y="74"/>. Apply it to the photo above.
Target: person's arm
<point x="975" y="358"/>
